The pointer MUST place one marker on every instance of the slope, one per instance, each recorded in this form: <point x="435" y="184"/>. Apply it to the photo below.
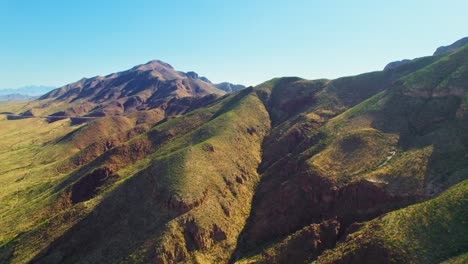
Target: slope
<point x="429" y="232"/>
<point x="403" y="144"/>
<point x="172" y="186"/>
<point x="270" y="174"/>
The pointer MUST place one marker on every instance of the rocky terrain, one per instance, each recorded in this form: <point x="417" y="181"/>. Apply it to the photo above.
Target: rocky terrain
<point x="363" y="169"/>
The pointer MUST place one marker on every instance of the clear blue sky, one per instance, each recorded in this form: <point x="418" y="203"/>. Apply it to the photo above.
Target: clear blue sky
<point x="243" y="41"/>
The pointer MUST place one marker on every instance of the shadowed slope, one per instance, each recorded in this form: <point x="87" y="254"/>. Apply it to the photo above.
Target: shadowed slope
<point x="429" y="232"/>
<point x="402" y="145"/>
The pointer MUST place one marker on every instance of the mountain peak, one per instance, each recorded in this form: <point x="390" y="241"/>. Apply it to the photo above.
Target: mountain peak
<point x="153" y="65"/>
<point x="155" y="84"/>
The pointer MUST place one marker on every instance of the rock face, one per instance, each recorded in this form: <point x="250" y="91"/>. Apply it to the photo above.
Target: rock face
<point x="304" y="245"/>
<point x="456" y="45"/>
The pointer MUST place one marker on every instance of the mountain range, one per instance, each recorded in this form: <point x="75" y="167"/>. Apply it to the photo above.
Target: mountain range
<point x="171" y="168"/>
<point x="24" y="93"/>
<point x="16" y="97"/>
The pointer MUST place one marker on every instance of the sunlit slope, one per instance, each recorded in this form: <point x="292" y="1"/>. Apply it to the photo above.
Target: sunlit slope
<point x="190" y="179"/>
<point x="28" y="169"/>
<point x="38" y="158"/>
<point x="406" y="143"/>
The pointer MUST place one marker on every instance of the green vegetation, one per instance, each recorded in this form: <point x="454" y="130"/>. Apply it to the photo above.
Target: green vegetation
<point x="353" y="154"/>
<point x="447" y="74"/>
<point x="28" y="171"/>
<point x="429" y="232"/>
<point x="269" y="174"/>
<point x="181" y="153"/>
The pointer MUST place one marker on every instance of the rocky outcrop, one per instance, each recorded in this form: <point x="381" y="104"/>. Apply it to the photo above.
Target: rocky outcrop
<point x="197" y="238"/>
<point x="304" y="245"/>
<point x="282" y="207"/>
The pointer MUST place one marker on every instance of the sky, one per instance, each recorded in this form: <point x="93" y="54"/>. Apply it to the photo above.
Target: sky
<point x="244" y="41"/>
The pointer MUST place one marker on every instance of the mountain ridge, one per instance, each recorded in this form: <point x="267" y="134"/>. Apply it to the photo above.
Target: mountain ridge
<point x="439" y="51"/>
<point x="452" y="47"/>
<point x="291" y="170"/>
<point x="152" y="85"/>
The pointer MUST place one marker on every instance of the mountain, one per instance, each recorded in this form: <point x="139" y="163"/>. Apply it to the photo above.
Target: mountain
<point x="396" y="64"/>
<point x="390" y="150"/>
<point x="452" y="47"/>
<point x="229" y="87"/>
<point x="148" y="86"/>
<point x="362" y="169"/>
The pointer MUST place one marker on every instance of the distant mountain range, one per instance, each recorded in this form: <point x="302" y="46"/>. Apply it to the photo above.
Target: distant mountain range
<point x="32" y="90"/>
<point x="17" y="97"/>
<point x="24" y="93"/>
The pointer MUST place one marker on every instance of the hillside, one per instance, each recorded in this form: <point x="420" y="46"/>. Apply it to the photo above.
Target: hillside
<point x="360" y="169"/>
<point x="400" y="146"/>
<point x="452" y="47"/>
<point x="429" y="232"/>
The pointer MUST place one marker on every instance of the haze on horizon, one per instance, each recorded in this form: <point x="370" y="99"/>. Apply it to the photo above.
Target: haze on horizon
<point x="248" y="42"/>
